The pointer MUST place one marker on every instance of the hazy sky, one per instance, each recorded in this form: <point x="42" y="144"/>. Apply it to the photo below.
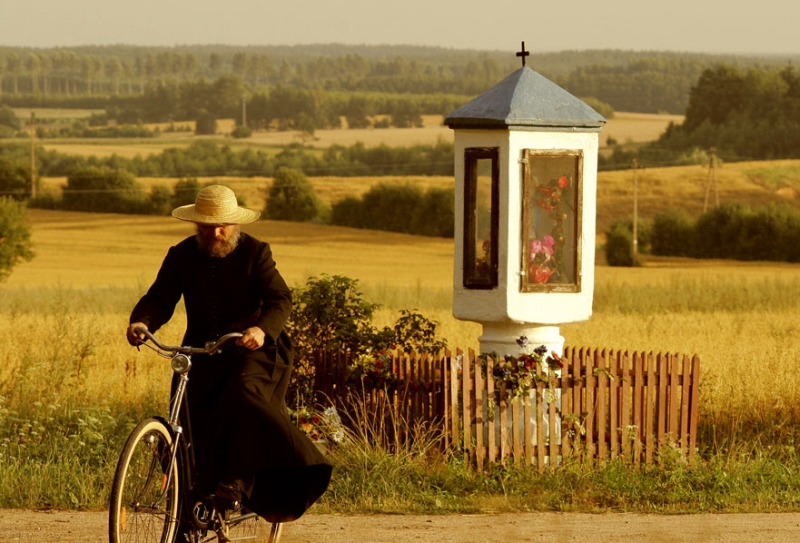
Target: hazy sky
<point x="716" y="26"/>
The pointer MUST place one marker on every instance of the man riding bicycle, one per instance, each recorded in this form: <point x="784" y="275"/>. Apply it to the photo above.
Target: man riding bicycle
<point x="246" y="446"/>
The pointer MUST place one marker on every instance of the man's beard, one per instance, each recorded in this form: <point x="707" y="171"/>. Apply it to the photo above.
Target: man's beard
<point x="218" y="248"/>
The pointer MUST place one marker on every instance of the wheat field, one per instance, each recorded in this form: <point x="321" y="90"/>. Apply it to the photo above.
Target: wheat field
<point x="624" y="128"/>
<point x="740" y="318"/>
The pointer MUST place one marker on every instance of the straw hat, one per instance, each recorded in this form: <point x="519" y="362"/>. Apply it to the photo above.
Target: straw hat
<point x="215" y="204"/>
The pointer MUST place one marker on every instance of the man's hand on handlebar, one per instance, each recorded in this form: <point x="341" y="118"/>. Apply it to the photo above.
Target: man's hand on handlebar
<point x="134" y="337"/>
<point x="252" y="338"/>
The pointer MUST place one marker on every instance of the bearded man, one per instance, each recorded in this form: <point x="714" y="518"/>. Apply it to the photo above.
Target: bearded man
<point x="246" y="447"/>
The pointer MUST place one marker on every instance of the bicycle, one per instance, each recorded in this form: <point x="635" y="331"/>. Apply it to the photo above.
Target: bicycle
<point x="153" y="489"/>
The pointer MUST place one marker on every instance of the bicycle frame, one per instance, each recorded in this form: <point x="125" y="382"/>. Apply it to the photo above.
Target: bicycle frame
<point x="180" y="360"/>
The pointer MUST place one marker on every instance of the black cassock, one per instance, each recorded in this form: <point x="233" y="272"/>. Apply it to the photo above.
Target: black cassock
<point x="239" y="420"/>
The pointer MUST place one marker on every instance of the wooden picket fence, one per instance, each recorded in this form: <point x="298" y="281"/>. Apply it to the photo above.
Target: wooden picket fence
<point x="604" y="405"/>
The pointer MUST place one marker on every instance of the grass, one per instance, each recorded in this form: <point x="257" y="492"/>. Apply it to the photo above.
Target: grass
<point x="72" y="388"/>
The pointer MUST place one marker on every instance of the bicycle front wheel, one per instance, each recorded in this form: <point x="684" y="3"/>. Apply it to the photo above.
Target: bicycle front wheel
<point x="144" y="496"/>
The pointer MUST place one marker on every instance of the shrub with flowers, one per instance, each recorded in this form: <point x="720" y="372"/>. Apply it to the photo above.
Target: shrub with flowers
<point x="319" y="426"/>
<point x="372" y="370"/>
<point x="519" y="372"/>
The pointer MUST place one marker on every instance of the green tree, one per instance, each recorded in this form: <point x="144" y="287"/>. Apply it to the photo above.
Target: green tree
<point x="206" y="124"/>
<point x="8" y="117"/>
<point x="15" y="236"/>
<point x="15" y="180"/>
<point x="291" y="197"/>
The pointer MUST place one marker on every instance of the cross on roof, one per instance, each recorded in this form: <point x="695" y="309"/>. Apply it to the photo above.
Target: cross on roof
<point x="523" y="54"/>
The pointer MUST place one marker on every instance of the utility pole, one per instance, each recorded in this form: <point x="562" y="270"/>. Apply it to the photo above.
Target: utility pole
<point x="712" y="177"/>
<point x="33" y="157"/>
<point x="635" y="210"/>
<point x="244" y="111"/>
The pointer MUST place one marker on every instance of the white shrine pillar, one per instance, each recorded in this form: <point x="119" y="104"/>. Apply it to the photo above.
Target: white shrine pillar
<point x="526" y="183"/>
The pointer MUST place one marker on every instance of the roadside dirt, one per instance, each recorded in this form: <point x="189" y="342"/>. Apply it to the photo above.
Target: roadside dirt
<point x="86" y="527"/>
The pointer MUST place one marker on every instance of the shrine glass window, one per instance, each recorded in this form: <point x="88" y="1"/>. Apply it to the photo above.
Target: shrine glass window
<point x="481" y="217"/>
<point x="551" y="220"/>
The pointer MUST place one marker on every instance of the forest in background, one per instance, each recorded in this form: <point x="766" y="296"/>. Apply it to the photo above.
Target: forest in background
<point x="100" y="77"/>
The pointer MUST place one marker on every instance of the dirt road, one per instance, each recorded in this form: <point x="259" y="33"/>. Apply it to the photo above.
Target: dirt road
<point x="73" y="527"/>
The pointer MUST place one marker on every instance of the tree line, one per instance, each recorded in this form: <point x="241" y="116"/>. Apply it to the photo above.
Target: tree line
<point x="735" y="113"/>
<point x="627" y="80"/>
<point x="732" y="231"/>
<point x="204" y="158"/>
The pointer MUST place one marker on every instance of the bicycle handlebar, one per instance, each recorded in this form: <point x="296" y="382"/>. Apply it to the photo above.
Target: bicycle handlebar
<point x="211" y="347"/>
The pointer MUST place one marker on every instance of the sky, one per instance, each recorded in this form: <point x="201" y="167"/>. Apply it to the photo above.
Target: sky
<point x="702" y="26"/>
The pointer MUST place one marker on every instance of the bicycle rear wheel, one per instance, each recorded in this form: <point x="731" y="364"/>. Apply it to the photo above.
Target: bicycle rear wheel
<point x="144" y="496"/>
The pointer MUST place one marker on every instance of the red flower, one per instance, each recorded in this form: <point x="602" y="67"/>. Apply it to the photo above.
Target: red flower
<point x="563" y="181"/>
<point x="540" y="274"/>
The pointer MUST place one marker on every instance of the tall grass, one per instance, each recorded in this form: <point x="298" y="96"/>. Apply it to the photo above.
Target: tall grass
<point x="71" y="389"/>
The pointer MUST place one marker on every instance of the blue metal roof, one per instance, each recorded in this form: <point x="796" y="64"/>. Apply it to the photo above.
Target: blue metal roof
<point x="527" y="99"/>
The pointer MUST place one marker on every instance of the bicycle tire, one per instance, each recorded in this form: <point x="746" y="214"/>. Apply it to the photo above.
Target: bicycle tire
<point x="142" y="509"/>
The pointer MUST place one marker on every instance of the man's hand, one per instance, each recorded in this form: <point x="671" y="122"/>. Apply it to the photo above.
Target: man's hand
<point x="134" y="338"/>
<point x="252" y="338"/>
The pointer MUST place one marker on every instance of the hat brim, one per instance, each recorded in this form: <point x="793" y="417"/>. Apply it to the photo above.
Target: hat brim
<point x="241" y="215"/>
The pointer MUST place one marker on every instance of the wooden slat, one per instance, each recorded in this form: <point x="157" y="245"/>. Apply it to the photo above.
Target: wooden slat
<point x="685" y="386"/>
<point x="468" y="402"/>
<point x="663" y="400"/>
<point x="614" y="409"/>
<point x="516" y="430"/>
<point x="480" y="403"/>
<point x="492" y="424"/>
<point x="591" y="417"/>
<point x="567" y="410"/>
<point x="527" y="414"/>
<point x="694" y="401"/>
<point x="502" y="412"/>
<point x="625" y="383"/>
<point x="673" y="423"/>
<point x="577" y="402"/>
<point x="650" y="399"/>
<point x="601" y="396"/>
<point x="540" y="449"/>
<point x="455" y="381"/>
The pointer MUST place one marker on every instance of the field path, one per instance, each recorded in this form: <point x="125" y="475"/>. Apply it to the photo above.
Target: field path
<point x="87" y="527"/>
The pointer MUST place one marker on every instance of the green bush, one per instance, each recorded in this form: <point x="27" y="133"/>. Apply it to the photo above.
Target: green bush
<point x="399" y="208"/>
<point x="242" y="132"/>
<point x="291" y="197"/>
<point x="206" y="124"/>
<point x="672" y="234"/>
<point x="348" y="212"/>
<point x="15" y="180"/>
<point x="15" y="235"/>
<point x="619" y="245"/>
<point x="330" y="315"/>
<point x="184" y="192"/>
<point x="8" y="118"/>
<point x="105" y="190"/>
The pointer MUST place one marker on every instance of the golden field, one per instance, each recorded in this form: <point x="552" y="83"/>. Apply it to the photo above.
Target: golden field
<point x="755" y="183"/>
<point x="740" y="318"/>
<point x="624" y="128"/>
